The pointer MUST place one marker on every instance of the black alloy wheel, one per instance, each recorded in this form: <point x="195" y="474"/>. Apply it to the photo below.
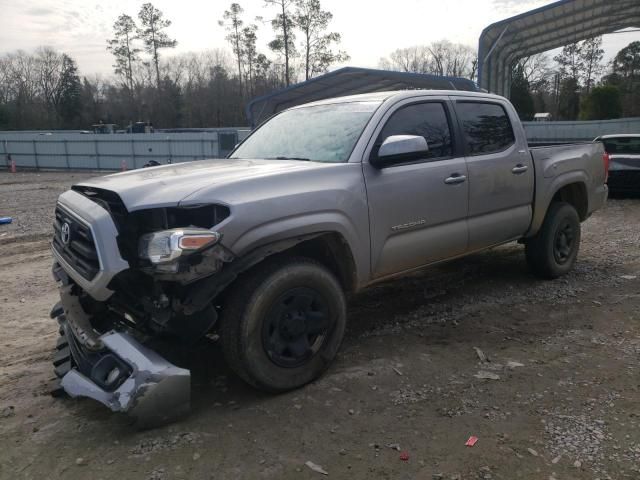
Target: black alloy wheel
<point x="296" y="327"/>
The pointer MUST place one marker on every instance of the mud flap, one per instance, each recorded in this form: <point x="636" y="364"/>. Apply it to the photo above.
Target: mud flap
<point x="155" y="392"/>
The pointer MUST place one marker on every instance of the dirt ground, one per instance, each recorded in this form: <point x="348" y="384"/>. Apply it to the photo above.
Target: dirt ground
<point x="558" y="399"/>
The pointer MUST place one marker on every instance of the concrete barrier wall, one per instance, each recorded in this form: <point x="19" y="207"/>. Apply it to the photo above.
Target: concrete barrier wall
<point x="71" y="150"/>
<point x="540" y="132"/>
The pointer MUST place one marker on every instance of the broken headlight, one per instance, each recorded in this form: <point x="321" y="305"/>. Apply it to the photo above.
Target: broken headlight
<point x="163" y="247"/>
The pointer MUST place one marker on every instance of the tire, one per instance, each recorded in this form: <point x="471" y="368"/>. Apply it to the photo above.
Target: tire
<point x="554" y="250"/>
<point x="283" y="323"/>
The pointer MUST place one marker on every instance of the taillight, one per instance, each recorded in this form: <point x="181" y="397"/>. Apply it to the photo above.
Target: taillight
<point x="605" y="161"/>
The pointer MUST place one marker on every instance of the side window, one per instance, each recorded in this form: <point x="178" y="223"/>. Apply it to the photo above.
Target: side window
<point x="427" y="120"/>
<point x="486" y="127"/>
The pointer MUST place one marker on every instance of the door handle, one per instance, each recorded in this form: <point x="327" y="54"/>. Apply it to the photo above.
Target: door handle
<point x="455" y="178"/>
<point x="518" y="169"/>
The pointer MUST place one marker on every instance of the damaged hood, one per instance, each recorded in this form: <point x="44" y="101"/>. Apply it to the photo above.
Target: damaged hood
<point x="169" y="184"/>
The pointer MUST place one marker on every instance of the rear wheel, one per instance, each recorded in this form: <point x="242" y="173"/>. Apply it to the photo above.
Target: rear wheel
<point x="554" y="249"/>
<point x="283" y="324"/>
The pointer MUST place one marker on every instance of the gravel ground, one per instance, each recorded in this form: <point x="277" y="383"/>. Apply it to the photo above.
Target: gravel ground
<point x="29" y="198"/>
<point x="545" y="374"/>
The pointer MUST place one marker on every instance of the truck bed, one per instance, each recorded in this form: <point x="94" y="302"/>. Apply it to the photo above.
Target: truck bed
<point x="559" y="165"/>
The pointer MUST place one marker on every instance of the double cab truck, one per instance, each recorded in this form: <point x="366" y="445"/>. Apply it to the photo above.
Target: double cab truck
<point x="263" y="248"/>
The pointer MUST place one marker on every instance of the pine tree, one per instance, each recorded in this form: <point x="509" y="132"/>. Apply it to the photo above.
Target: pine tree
<point x="69" y="106"/>
<point x="316" y="43"/>
<point x="520" y="95"/>
<point x="233" y="23"/>
<point x="571" y="61"/>
<point x="123" y="49"/>
<point x="284" y="43"/>
<point x="151" y="32"/>
<point x="250" y="52"/>
<point x="591" y="53"/>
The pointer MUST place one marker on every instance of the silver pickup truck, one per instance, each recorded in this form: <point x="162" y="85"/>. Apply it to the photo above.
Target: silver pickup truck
<point x="262" y="248"/>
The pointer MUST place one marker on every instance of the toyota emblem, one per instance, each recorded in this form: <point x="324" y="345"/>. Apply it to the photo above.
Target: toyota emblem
<point x="65" y="233"/>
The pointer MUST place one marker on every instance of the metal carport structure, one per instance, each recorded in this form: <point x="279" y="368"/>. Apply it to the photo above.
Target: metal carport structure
<point x="545" y="28"/>
<point x="348" y="81"/>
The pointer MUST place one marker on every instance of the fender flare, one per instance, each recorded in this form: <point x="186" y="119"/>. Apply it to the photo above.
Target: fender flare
<point x="205" y="290"/>
<point x="542" y="203"/>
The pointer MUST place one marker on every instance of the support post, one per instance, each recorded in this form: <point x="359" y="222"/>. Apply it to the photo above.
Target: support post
<point x="95" y="146"/>
<point x="66" y="153"/>
<point x="35" y="154"/>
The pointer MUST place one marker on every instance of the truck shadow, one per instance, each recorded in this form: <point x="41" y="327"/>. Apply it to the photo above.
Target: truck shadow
<point x="432" y="304"/>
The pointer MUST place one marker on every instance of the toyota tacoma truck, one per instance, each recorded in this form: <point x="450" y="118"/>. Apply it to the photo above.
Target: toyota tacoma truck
<point x="262" y="249"/>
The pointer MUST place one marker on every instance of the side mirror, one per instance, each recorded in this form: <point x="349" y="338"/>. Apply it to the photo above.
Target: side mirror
<point x="398" y="149"/>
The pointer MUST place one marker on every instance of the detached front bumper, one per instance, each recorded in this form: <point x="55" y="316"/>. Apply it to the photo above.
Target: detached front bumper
<point x="118" y="371"/>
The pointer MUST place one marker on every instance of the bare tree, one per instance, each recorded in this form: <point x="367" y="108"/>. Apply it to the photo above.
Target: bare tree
<point x="437" y="58"/>
<point x="451" y="59"/>
<point x="197" y="90"/>
<point x="412" y="59"/>
<point x="49" y="66"/>
<point x="24" y="72"/>
<point x="151" y="32"/>
<point x="463" y="61"/>
<point x="537" y="71"/>
<point x="5" y="81"/>
<point x="23" y="90"/>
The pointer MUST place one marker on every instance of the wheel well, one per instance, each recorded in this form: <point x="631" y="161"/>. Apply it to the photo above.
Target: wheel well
<point x="332" y="251"/>
<point x="329" y="249"/>
<point x="574" y="194"/>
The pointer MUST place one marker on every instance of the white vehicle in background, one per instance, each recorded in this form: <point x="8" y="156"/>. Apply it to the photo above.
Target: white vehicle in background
<point x="542" y="117"/>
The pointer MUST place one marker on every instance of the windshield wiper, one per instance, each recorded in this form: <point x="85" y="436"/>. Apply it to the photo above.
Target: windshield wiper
<point x="290" y="158"/>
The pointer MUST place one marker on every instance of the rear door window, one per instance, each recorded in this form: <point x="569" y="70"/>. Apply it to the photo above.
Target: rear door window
<point x="486" y="127"/>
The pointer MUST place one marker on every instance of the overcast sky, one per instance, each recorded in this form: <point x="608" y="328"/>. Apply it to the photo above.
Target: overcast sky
<point x="371" y="29"/>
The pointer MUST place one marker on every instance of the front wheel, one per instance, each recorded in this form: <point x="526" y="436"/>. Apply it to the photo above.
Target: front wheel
<point x="554" y="249"/>
<point x="283" y="324"/>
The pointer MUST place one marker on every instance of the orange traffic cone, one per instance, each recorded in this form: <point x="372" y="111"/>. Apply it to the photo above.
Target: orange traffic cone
<point x="123" y="166"/>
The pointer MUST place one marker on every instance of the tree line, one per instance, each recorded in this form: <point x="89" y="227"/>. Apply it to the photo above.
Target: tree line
<point x="574" y="84"/>
<point x="437" y="58"/>
<point x="44" y="90"/>
<point x="578" y="85"/>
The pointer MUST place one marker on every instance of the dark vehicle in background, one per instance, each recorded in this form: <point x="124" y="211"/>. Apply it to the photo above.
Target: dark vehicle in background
<point x="104" y="128"/>
<point x="624" y="162"/>
<point x="140" y="127"/>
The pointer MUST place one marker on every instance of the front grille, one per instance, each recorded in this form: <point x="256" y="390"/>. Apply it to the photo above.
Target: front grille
<point x="77" y="247"/>
<point x="108" y="200"/>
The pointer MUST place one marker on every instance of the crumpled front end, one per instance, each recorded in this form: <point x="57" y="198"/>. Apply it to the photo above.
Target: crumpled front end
<point x="117" y="370"/>
<point x="109" y="315"/>
<point x="132" y="285"/>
